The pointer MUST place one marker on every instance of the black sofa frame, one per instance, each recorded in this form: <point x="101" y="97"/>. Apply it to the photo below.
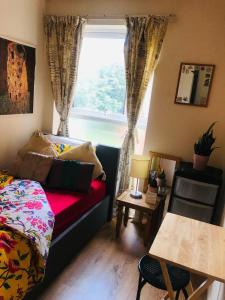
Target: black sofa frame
<point x="65" y="246"/>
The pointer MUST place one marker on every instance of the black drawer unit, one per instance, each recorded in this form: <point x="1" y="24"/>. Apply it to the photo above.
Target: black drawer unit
<point x="196" y="194"/>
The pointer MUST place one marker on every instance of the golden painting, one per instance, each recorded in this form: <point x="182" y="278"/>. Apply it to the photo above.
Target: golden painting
<point x="17" y="65"/>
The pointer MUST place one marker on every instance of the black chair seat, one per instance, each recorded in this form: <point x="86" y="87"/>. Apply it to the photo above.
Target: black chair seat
<point x="150" y="271"/>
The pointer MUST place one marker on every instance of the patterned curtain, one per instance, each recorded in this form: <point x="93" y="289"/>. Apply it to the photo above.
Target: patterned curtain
<point x="142" y="48"/>
<point x="64" y="38"/>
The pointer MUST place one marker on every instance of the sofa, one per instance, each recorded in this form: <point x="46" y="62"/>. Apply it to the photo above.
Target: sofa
<point x="69" y="241"/>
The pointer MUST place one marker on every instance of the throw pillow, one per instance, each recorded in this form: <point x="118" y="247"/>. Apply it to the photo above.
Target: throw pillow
<point x="61" y="148"/>
<point x="38" y="143"/>
<point x="84" y="153"/>
<point x="13" y="170"/>
<point x="5" y="180"/>
<point x="70" y="175"/>
<point x="35" y="166"/>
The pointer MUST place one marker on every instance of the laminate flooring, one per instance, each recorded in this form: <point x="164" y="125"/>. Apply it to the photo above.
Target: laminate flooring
<point x="105" y="269"/>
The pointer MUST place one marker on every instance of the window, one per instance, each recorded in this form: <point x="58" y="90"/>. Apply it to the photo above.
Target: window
<point x="100" y="88"/>
<point x="99" y="108"/>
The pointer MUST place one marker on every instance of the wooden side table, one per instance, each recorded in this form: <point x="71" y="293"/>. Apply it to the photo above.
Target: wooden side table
<point x="154" y="214"/>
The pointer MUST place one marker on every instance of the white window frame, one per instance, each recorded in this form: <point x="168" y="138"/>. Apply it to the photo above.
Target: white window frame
<point x="114" y="29"/>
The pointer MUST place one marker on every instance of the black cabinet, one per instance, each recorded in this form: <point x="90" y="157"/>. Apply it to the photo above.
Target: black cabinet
<point x="195" y="194"/>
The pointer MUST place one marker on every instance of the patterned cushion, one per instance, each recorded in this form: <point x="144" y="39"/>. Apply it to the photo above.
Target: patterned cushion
<point x="5" y="180"/>
<point x="70" y="175"/>
<point x="61" y="148"/>
<point x="34" y="166"/>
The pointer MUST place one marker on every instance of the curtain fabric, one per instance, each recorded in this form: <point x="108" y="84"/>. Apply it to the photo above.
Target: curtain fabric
<point x="64" y="37"/>
<point x="141" y="50"/>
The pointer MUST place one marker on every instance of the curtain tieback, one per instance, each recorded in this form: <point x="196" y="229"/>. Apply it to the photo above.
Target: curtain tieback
<point x="131" y="132"/>
<point x="63" y="119"/>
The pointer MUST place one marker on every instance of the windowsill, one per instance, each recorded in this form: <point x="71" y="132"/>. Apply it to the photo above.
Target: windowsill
<point x="111" y="119"/>
<point x="97" y="116"/>
<point x="100" y="130"/>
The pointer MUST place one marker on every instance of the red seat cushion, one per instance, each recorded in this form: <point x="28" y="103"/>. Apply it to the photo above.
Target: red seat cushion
<point x="70" y="206"/>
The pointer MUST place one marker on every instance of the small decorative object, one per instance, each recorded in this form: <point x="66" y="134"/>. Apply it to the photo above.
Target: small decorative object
<point x="151" y="194"/>
<point x="139" y="169"/>
<point x="162" y="190"/>
<point x="152" y="183"/>
<point x="151" y="197"/>
<point x="161" y="178"/>
<point x="161" y="182"/>
<point x="203" y="148"/>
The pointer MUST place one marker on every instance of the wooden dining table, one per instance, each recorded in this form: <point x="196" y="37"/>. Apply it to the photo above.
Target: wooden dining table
<point x="192" y="245"/>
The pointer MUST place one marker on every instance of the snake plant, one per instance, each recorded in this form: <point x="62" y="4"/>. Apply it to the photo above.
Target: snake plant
<point x="204" y="144"/>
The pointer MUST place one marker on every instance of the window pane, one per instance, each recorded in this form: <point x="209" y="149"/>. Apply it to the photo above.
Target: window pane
<point x="98" y="113"/>
<point x="101" y="76"/>
<point x="97" y="131"/>
<point x="103" y="132"/>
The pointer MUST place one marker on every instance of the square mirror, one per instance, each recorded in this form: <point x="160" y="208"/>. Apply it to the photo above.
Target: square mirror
<point x="194" y="84"/>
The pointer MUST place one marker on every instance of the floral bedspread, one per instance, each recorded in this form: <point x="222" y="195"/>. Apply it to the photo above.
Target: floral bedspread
<point x="26" y="224"/>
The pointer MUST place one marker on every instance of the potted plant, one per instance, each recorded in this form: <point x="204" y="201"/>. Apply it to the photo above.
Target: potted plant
<point x="203" y="148"/>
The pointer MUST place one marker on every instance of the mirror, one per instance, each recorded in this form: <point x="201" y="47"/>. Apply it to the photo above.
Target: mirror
<point x="194" y="84"/>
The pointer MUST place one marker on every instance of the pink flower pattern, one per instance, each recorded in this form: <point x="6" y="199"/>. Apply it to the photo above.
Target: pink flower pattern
<point x="2" y="220"/>
<point x="38" y="192"/>
<point x="24" y="208"/>
<point x="6" y="242"/>
<point x="34" y="204"/>
<point x="25" y="212"/>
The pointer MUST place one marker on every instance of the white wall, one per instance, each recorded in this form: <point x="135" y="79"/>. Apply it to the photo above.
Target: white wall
<point x="196" y="37"/>
<point x="22" y="21"/>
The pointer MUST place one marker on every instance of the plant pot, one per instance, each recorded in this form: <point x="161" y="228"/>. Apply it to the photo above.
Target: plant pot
<point x="200" y="162"/>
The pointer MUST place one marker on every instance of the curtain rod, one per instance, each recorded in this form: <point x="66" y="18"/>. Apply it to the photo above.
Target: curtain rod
<point x="171" y="17"/>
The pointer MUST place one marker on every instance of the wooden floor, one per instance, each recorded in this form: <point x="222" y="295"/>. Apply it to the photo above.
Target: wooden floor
<point x="106" y="269"/>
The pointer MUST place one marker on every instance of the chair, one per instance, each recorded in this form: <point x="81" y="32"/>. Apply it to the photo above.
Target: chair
<point x="150" y="272"/>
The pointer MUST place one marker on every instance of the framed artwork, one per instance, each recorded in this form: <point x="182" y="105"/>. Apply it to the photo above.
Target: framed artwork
<point x="17" y="67"/>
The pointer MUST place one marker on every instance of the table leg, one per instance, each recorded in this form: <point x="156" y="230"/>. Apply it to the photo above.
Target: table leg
<point x="166" y="297"/>
<point x="140" y="218"/>
<point x="189" y="288"/>
<point x="194" y="296"/>
<point x="167" y="280"/>
<point x="148" y="231"/>
<point x="153" y="224"/>
<point x="126" y="216"/>
<point x="201" y="289"/>
<point x="119" y="219"/>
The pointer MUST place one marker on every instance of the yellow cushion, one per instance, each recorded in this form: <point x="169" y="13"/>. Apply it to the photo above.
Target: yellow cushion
<point x="5" y="180"/>
<point x="84" y="153"/>
<point x="38" y="143"/>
